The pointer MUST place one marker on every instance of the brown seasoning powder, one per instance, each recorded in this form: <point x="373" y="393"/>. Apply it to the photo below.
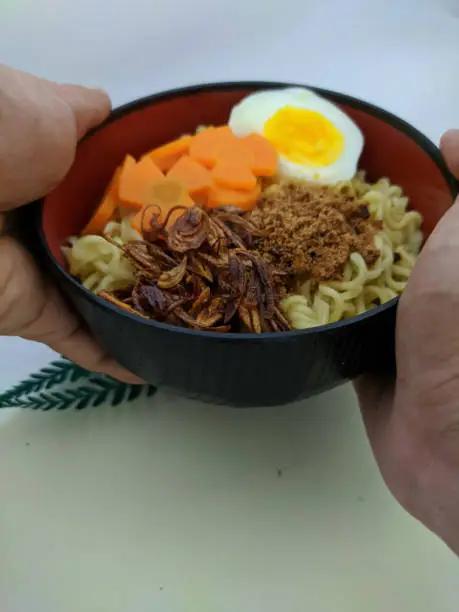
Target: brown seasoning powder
<point x="311" y="230"/>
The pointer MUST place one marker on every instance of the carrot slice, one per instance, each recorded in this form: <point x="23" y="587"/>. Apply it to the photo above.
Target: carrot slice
<point x="234" y="176"/>
<point x="127" y="165"/>
<point x="221" y="196"/>
<point x="106" y="208"/>
<point x="233" y="151"/>
<point x="164" y="195"/>
<point x="134" y="189"/>
<point x="265" y="156"/>
<point x="193" y="176"/>
<point x="169" y="193"/>
<point x="101" y="217"/>
<point x="166" y="155"/>
<point x="206" y="144"/>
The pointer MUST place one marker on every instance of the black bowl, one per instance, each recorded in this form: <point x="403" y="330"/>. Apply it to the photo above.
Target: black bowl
<point x="236" y="369"/>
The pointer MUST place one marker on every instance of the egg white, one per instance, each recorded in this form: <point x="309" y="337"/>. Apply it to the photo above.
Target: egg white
<point x="251" y="114"/>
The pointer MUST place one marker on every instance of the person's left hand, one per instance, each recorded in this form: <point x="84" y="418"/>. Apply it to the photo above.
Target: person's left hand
<point x="40" y="125"/>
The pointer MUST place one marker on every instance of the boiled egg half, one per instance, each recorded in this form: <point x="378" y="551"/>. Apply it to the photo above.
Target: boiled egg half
<point x="315" y="140"/>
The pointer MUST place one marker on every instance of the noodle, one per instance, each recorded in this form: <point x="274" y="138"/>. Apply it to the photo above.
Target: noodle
<point x="364" y="288"/>
<point x="99" y="264"/>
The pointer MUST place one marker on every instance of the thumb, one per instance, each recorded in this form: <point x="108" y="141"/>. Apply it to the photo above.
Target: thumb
<point x="427" y="325"/>
<point x="427" y="329"/>
<point x="40" y="124"/>
<point x="449" y="145"/>
<point x="90" y="106"/>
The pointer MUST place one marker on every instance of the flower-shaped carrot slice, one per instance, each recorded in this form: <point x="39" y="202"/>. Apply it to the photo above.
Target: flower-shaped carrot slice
<point x="206" y="144"/>
<point x="234" y="163"/>
<point x="221" y="196"/>
<point x="134" y="189"/>
<point x="265" y="156"/>
<point x="106" y="208"/>
<point x="234" y="151"/>
<point x="166" y="155"/>
<point x="164" y="195"/>
<point x="195" y="177"/>
<point x="234" y="176"/>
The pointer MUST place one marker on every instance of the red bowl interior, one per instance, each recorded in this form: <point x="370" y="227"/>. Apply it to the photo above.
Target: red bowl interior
<point x="392" y="149"/>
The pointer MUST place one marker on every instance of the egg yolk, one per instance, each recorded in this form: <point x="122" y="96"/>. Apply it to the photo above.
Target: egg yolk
<point x="304" y="137"/>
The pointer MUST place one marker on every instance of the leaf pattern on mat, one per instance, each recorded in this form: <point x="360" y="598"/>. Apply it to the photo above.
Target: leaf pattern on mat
<point x="62" y="385"/>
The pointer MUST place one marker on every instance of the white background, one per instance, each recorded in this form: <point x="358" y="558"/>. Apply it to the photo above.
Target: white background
<point x="169" y="505"/>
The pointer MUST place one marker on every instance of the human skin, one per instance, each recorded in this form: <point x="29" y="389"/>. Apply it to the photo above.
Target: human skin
<point x="40" y="125"/>
<point x="413" y="421"/>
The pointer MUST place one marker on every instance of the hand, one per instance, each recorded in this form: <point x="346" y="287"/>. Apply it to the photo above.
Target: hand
<point x="40" y="125"/>
<point x="413" y="424"/>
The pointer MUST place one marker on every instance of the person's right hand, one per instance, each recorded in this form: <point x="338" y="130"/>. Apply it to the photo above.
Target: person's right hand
<point x="40" y="125"/>
<point x="413" y="423"/>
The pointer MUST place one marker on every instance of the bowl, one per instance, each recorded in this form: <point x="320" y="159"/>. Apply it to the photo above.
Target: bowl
<point x="244" y="369"/>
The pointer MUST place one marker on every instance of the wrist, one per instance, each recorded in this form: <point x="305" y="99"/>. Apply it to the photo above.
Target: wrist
<point x="437" y="502"/>
<point x="426" y="481"/>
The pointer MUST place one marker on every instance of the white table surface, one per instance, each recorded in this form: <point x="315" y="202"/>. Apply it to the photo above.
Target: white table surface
<point x="171" y="506"/>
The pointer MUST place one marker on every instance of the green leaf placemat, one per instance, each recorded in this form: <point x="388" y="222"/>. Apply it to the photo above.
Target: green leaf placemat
<point x="62" y="385"/>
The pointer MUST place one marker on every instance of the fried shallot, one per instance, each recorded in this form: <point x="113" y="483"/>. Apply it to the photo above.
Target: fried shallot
<point x="200" y="272"/>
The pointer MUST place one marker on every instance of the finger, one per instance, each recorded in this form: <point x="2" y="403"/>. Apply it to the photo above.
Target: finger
<point x="80" y="347"/>
<point x="40" y="124"/>
<point x="34" y="310"/>
<point x="90" y="106"/>
<point x="59" y="329"/>
<point x="427" y="329"/>
<point x="449" y="145"/>
<point x="69" y="338"/>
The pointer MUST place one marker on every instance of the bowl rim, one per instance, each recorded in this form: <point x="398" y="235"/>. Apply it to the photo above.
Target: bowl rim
<point x="338" y="98"/>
